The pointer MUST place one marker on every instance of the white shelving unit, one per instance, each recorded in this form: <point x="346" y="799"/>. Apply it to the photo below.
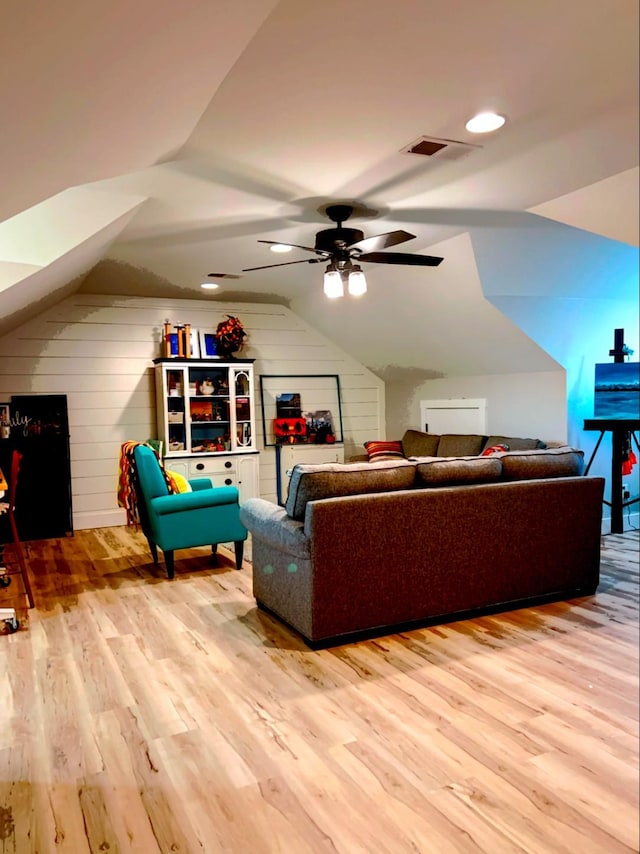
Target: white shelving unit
<point x="206" y="421"/>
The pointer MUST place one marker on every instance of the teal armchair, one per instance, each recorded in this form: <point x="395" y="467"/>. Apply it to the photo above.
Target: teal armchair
<point x="206" y="516"/>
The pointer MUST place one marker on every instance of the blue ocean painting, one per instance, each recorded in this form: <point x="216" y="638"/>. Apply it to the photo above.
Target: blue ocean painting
<point x="617" y="390"/>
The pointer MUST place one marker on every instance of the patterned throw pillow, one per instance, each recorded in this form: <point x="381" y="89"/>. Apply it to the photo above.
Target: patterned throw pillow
<point x="515" y="443"/>
<point x="382" y="450"/>
<point x="494" y="449"/>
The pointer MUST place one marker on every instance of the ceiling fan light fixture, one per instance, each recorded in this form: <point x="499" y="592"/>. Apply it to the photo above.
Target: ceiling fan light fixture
<point x="280" y="247"/>
<point x="333" y="286"/>
<point x="485" y="122"/>
<point x="209" y="286"/>
<point x="357" y="284"/>
<point x="340" y="246"/>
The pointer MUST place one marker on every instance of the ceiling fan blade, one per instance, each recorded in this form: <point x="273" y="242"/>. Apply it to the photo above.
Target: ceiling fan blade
<point x="401" y="258"/>
<point x="285" y="264"/>
<point x="382" y="241"/>
<point x="297" y="246"/>
<point x="465" y="217"/>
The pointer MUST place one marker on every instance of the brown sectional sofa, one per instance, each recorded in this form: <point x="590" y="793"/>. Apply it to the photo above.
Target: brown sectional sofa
<point x="416" y="443"/>
<point x="368" y="548"/>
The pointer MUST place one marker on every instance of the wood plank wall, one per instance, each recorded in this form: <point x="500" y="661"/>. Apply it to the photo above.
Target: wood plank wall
<point x="98" y="350"/>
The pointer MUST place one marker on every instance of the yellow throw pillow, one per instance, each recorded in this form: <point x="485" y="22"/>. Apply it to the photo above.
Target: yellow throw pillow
<point x="181" y="484"/>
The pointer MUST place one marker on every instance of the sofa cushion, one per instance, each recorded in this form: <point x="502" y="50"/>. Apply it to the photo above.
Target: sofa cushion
<point x="439" y="471"/>
<point x="460" y="445"/>
<point x="330" y="480"/>
<point x="515" y="444"/>
<point x="415" y="443"/>
<point x="549" y="462"/>
<point x="379" y="449"/>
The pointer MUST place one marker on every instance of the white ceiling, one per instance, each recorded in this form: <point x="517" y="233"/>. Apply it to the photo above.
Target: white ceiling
<point x="238" y="121"/>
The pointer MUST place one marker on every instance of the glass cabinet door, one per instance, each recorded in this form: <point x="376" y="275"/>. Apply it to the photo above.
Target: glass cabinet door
<point x="242" y="386"/>
<point x="176" y="426"/>
<point x="209" y="409"/>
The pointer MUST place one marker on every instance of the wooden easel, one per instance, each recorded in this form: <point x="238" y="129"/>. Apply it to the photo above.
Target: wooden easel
<point x="622" y="431"/>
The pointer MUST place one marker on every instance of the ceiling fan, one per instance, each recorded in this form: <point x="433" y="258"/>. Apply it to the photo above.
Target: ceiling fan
<point x="339" y="247"/>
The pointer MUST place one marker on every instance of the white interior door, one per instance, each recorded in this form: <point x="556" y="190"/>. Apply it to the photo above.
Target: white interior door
<point x="463" y="415"/>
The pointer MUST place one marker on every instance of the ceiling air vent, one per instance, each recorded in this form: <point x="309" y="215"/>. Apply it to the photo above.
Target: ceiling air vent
<point x="440" y="149"/>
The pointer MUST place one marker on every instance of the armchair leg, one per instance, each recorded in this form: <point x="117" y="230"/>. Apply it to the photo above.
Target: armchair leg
<point x="154" y="550"/>
<point x="214" y="554"/>
<point x="170" y="564"/>
<point x="239" y="549"/>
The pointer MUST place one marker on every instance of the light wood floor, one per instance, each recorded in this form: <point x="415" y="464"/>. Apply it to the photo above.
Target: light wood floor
<point x="141" y="714"/>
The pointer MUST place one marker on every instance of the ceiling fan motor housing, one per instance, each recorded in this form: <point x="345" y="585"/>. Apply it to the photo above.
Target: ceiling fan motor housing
<point x="340" y="246"/>
<point x="329" y="239"/>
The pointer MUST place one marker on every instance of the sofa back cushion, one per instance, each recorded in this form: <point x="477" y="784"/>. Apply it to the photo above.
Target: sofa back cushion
<point x="460" y="445"/>
<point x="330" y="480"/>
<point x="514" y="444"/>
<point x="436" y="471"/>
<point x="415" y="443"/>
<point x="549" y="462"/>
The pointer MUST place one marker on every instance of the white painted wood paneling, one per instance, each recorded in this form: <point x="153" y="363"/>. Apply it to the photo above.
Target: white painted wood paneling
<point x="99" y="351"/>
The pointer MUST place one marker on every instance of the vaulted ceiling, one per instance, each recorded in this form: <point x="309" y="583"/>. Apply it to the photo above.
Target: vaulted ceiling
<point x="147" y="144"/>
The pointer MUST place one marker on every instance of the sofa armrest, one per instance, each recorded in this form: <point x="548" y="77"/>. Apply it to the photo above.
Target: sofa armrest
<point x="269" y="523"/>
<point x="202" y="498"/>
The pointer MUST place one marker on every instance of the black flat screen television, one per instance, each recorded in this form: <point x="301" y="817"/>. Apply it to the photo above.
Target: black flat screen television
<point x="617" y="390"/>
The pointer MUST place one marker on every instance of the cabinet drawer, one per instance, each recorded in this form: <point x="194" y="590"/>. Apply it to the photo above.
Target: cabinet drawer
<point x="209" y="466"/>
<point x="227" y="478"/>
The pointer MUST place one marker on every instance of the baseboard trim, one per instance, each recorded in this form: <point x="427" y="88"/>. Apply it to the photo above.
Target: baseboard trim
<point x="630" y="522"/>
<point x="99" y="519"/>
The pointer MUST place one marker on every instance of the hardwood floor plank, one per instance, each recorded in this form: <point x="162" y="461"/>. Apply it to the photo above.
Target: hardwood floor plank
<point x="146" y="715"/>
<point x="524" y="795"/>
<point x="594" y="796"/>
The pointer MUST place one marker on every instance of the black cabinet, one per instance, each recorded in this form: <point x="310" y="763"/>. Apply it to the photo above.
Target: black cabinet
<point x="40" y="431"/>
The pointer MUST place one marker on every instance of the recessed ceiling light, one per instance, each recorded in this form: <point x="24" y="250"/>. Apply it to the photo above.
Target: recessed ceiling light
<point x="485" y="122"/>
<point x="280" y="247"/>
<point x="209" y="286"/>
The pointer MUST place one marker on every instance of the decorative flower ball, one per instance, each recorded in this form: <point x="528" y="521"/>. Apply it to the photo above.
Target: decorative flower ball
<point x="229" y="335"/>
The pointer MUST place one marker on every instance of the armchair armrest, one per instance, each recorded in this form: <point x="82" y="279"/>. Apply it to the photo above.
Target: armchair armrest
<point x="201" y="498"/>
<point x="269" y="523"/>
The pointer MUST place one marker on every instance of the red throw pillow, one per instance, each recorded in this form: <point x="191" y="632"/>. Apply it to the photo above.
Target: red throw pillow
<point x="379" y="449"/>
<point x="494" y="449"/>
